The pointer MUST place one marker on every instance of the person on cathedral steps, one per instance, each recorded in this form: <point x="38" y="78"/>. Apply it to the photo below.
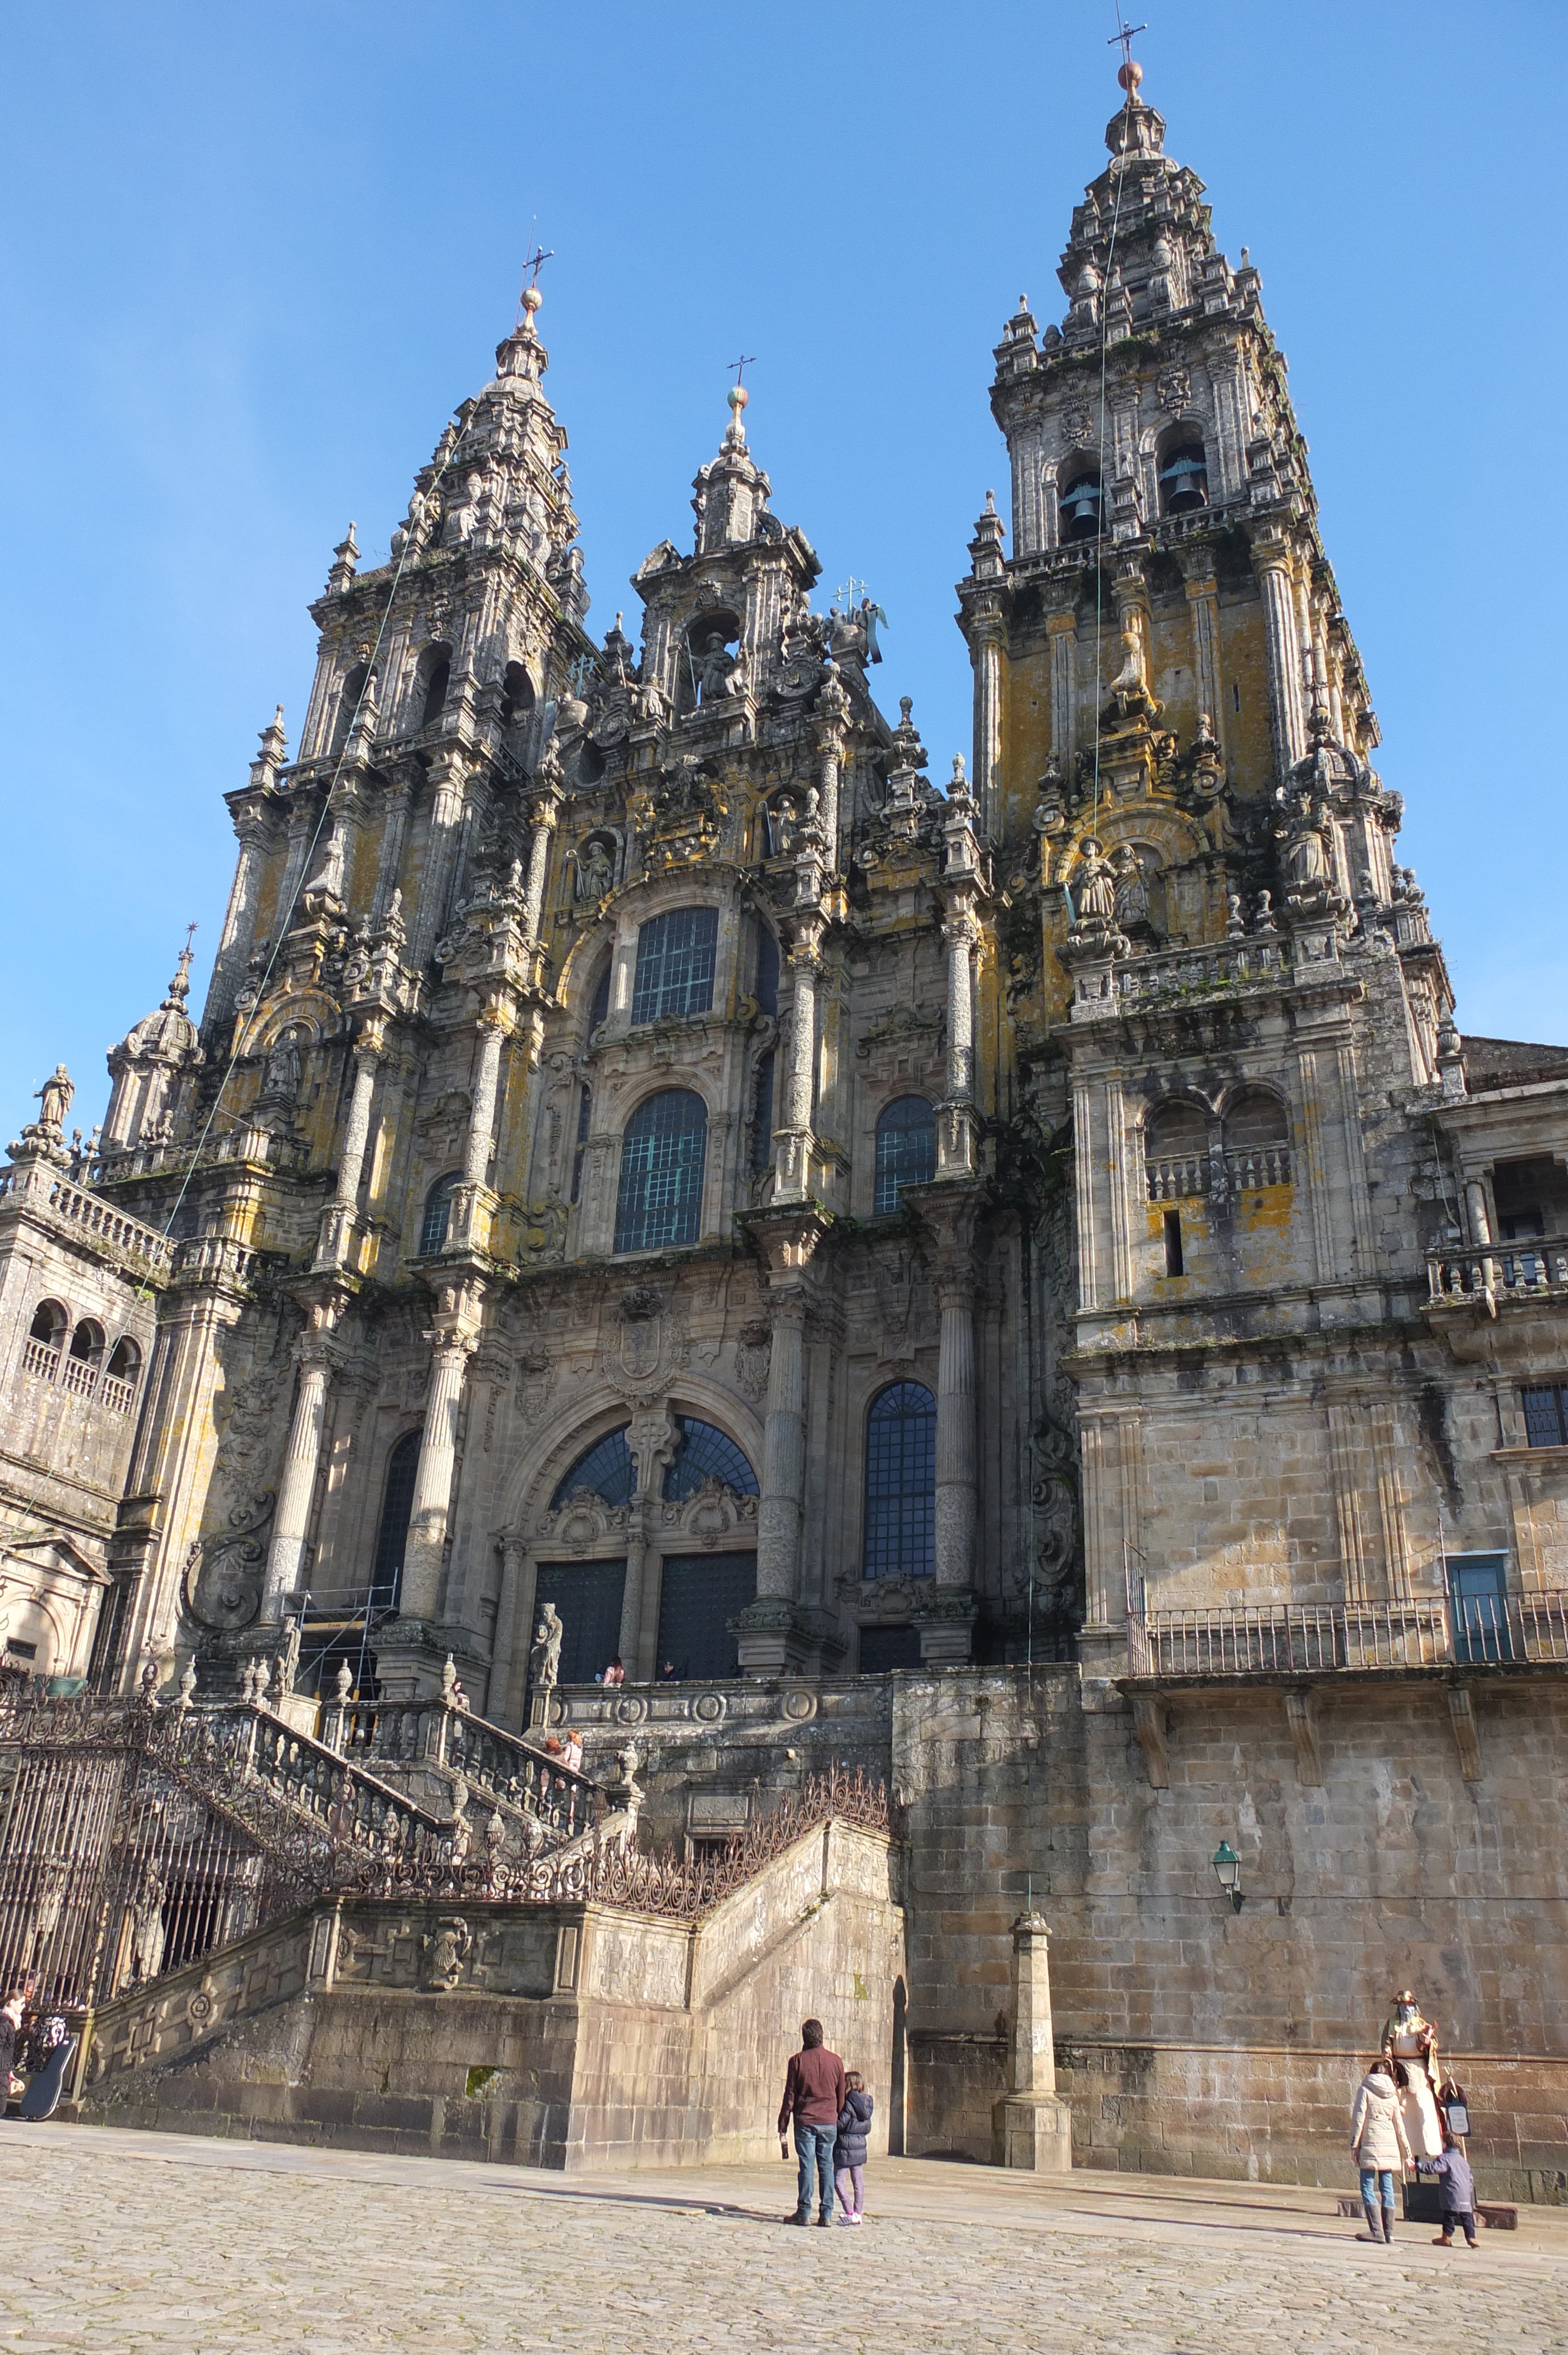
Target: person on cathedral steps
<point x="813" y="2099"/>
<point x="1378" y="2145"/>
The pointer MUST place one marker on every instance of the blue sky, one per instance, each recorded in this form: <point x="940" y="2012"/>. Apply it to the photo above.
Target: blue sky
<point x="256" y="254"/>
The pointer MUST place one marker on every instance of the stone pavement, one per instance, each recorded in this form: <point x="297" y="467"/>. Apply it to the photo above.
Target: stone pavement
<point x="129" y="2244"/>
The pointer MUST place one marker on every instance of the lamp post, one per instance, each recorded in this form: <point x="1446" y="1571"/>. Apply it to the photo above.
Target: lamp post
<point x="1227" y="1872"/>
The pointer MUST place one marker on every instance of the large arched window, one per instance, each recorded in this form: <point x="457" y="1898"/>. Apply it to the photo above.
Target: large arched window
<point x="606" y="1467"/>
<point x="1257" y="1140"/>
<point x="707" y="1452"/>
<point x="437" y="1211"/>
<point x="392" y="1531"/>
<point x="1176" y="1151"/>
<point x="900" y="1483"/>
<point x="660" y="1204"/>
<point x="675" y="958"/>
<point x="435" y="677"/>
<point x="905" y="1149"/>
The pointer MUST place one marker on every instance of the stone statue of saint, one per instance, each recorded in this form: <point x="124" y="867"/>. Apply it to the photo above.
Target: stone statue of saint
<point x="55" y="1098"/>
<point x="289" y="1658"/>
<point x="328" y="877"/>
<point x="596" y="870"/>
<point x="1131" y="888"/>
<point x="1094" y="885"/>
<point x="545" y="1664"/>
<point x="147" y="1933"/>
<point x="782" y="820"/>
<point x="717" y="671"/>
<point x="281" y="1075"/>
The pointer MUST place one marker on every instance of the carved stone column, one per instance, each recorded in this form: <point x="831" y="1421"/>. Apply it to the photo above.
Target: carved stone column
<point x="792" y="1134"/>
<point x="494" y="1027"/>
<point x="653" y="1439"/>
<point x="338" y="1219"/>
<point x="394" y="826"/>
<point x="946" y="1618"/>
<point x="545" y="813"/>
<point x="778" y="1633"/>
<point x="317" y="1356"/>
<point x="1062" y="629"/>
<point x="1203" y="605"/>
<point x="985" y="646"/>
<point x="1271" y="562"/>
<point x="440" y="852"/>
<point x="829" y="722"/>
<point x="503" y="1652"/>
<point x="456" y="1336"/>
<point x="955" y="1138"/>
<point x="1032" y="2125"/>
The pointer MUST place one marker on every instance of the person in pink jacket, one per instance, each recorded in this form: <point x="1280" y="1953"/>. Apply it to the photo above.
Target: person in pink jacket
<point x="1379" y="2144"/>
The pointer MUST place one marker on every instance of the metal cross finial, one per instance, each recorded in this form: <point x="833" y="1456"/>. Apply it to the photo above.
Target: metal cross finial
<point x="191" y="931"/>
<point x="533" y="263"/>
<point x="1123" y="35"/>
<point x="843" y="596"/>
<point x="746" y="359"/>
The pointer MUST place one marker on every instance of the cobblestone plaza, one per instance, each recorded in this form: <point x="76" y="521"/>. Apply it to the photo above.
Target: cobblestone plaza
<point x="127" y="2243"/>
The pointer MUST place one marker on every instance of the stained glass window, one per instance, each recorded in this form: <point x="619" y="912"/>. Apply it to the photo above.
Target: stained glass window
<point x="704" y="1450"/>
<point x="675" y="956"/>
<point x="901" y="1482"/>
<point x="606" y="1467"/>
<point x="905" y="1149"/>
<point x="659" y="1203"/>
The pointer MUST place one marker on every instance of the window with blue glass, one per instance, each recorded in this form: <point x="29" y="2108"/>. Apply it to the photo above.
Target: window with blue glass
<point x="392" y="1531"/>
<point x="660" y="1204"/>
<point x="676" y="959"/>
<point x="437" y="1211"/>
<point x="905" y="1149"/>
<point x="901" y="1482"/>
<point x="707" y="1452"/>
<point x="606" y="1467"/>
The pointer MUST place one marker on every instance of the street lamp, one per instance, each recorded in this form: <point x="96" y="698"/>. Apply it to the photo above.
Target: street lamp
<point x="1227" y="1872"/>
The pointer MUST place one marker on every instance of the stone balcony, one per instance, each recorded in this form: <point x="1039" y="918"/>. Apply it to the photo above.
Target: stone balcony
<point x="1427" y="1634"/>
<point x="1105" y="988"/>
<point x="1485" y="1276"/>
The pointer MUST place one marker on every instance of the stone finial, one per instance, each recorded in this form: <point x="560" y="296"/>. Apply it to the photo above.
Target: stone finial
<point x="188" y="1684"/>
<point x="272" y="755"/>
<point x="345" y="558"/>
<point x="345" y="1682"/>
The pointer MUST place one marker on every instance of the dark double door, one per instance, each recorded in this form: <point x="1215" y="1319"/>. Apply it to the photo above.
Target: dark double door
<point x="697" y="1594"/>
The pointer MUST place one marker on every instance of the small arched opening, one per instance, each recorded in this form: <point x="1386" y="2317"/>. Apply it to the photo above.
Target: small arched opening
<point x="348" y="696"/>
<point x="1182" y="468"/>
<point x="1079" y="503"/>
<point x="434" y="678"/>
<point x="1257" y="1140"/>
<point x="438" y="1213"/>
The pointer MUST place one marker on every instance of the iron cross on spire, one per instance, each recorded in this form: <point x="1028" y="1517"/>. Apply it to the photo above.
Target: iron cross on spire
<point x="746" y="359"/>
<point x="1124" y="36"/>
<point x="533" y="263"/>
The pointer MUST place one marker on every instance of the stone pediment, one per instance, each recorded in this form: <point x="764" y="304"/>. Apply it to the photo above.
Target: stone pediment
<point x="60" y="1556"/>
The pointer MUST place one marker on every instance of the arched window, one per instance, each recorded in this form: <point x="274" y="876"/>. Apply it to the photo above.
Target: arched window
<point x="126" y="1362"/>
<point x="348" y="697"/>
<point x="1183" y="476"/>
<point x="905" y="1149"/>
<point x="1080" y="506"/>
<point x="767" y="970"/>
<point x="599" y="1004"/>
<point x="900" y="1483"/>
<point x="49" y="1322"/>
<point x="707" y="1452"/>
<point x="606" y="1467"/>
<point x="1176" y="1149"/>
<point x="660" y="1204"/>
<point x="435" y="677"/>
<point x="392" y="1531"/>
<point x="1257" y="1141"/>
<point x="675" y="958"/>
<point x="87" y="1341"/>
<point x="437" y="1211"/>
<point x="516" y="698"/>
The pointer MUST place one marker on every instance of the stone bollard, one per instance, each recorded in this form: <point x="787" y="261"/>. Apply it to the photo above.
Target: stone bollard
<point x="1031" y="2126"/>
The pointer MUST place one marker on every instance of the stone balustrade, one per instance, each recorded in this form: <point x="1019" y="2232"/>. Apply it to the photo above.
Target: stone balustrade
<point x="1486" y="1272"/>
<point x="79" y="1377"/>
<point x="1111" y="986"/>
<point x="503" y="1766"/>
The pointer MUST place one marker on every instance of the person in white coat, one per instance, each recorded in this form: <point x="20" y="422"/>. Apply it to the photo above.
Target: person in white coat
<point x="1379" y="2144"/>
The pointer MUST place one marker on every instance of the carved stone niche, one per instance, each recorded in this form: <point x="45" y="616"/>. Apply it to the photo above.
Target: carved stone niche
<point x="712" y="1511"/>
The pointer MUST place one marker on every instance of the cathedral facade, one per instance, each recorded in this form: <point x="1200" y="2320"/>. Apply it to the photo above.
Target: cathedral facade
<point x="1023" y="1277"/>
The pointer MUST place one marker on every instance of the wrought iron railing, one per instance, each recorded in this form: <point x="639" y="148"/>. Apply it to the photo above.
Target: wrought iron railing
<point x="1319" y="1638"/>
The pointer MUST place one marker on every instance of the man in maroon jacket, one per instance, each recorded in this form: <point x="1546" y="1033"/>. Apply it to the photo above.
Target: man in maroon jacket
<point x="813" y="2097"/>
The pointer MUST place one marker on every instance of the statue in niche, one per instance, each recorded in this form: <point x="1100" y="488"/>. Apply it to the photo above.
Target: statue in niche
<point x="1131" y="903"/>
<point x="55" y="1100"/>
<point x="328" y="877"/>
<point x="280" y="1076"/>
<point x="1410" y="2047"/>
<point x="1305" y="839"/>
<point x="596" y="870"/>
<point x="717" y="670"/>
<point x="147" y="1934"/>
<point x="1094" y="885"/>
<point x="544" y="1661"/>
<point x="783" y="818"/>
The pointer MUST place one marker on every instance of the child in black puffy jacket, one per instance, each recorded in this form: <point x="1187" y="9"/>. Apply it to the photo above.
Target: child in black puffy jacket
<point x="849" y="2150"/>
